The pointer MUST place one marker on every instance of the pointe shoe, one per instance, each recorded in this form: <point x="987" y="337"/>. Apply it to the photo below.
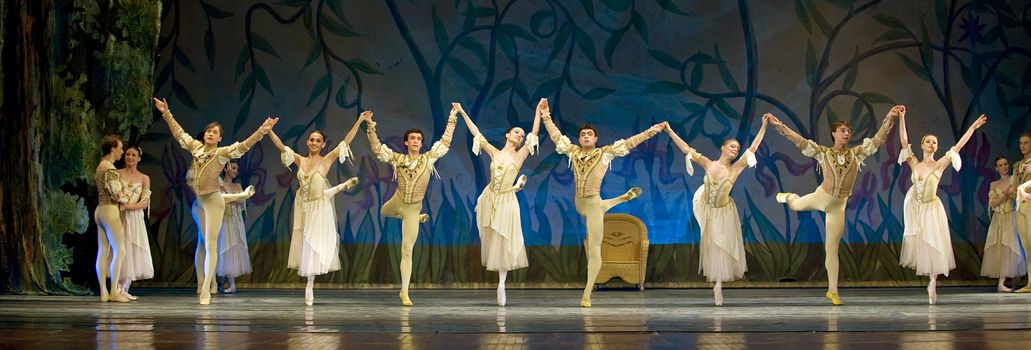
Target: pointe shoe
<point x="1003" y="289"/>
<point x="718" y="298"/>
<point x="404" y="298"/>
<point x="309" y="297"/>
<point x="782" y="197"/>
<point x="1026" y="289"/>
<point x="501" y="297"/>
<point x="520" y="183"/>
<point x="834" y="298"/>
<point x="424" y="218"/>
<point x="350" y="183"/>
<point x="634" y="192"/>
<point x="932" y="295"/>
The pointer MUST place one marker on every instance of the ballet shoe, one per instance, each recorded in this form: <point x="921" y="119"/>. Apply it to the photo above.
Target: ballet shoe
<point x="634" y="192"/>
<point x="404" y="298"/>
<point x="834" y="298"/>
<point x="782" y="197"/>
<point x="585" y="302"/>
<point x="350" y="183"/>
<point x="104" y="296"/>
<point x="309" y="297"/>
<point x="932" y="295"/>
<point x="230" y="290"/>
<point x="131" y="297"/>
<point x="718" y="297"/>
<point x="121" y="298"/>
<point x="204" y="299"/>
<point x="424" y="218"/>
<point x="1003" y="289"/>
<point x="501" y="296"/>
<point x="1026" y="289"/>
<point x="520" y="183"/>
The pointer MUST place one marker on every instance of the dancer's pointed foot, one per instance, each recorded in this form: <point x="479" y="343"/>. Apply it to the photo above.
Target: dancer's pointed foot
<point x="782" y="197"/>
<point x="585" y="301"/>
<point x="350" y="183"/>
<point x="717" y="294"/>
<point x="501" y="296"/>
<point x="634" y="192"/>
<point x="1003" y="289"/>
<point x="204" y="299"/>
<point x="309" y="297"/>
<point x="932" y="294"/>
<point x="404" y="298"/>
<point x="834" y="298"/>
<point x="520" y="183"/>
<point x="424" y="218"/>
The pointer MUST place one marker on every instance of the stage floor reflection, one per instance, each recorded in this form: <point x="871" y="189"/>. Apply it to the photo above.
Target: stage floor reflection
<point x="965" y="316"/>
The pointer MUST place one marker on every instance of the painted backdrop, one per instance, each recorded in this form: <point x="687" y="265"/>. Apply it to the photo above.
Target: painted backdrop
<point x="711" y="68"/>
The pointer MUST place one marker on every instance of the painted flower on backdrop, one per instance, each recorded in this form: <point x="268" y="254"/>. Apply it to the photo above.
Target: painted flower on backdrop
<point x="767" y="172"/>
<point x="971" y="27"/>
<point x="176" y="189"/>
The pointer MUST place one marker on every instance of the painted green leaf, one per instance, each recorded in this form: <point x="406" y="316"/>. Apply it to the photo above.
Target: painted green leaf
<point x="259" y="42"/>
<point x="517" y="31"/>
<point x="640" y="25"/>
<point x="180" y="57"/>
<point x="248" y="86"/>
<point x="810" y="65"/>
<point x="259" y="72"/>
<point x="313" y="54"/>
<point x="337" y="28"/>
<point x="464" y="72"/>
<point x="501" y="87"/>
<point x="668" y="5"/>
<point x="666" y="59"/>
<point x="320" y="87"/>
<point x="597" y="93"/>
<point x="802" y="15"/>
<point x="586" y="45"/>
<point x="184" y="96"/>
<point x="364" y="66"/>
<point x="914" y="67"/>
<point x="209" y="48"/>
<point x="611" y="44"/>
<point x="853" y="72"/>
<point x="439" y="31"/>
<point x="242" y="59"/>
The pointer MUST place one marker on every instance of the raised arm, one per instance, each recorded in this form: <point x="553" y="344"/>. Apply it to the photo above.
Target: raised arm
<point x="870" y="147"/>
<point x="343" y="151"/>
<point x="185" y="140"/>
<point x="953" y="155"/>
<point x="808" y="147"/>
<point x="237" y="149"/>
<point x="441" y="146"/>
<point x="532" y="141"/>
<point x="479" y="142"/>
<point x="906" y="152"/>
<point x="382" y="152"/>
<point x="690" y="153"/>
<point x="276" y="141"/>
<point x="622" y="147"/>
<point x="748" y="158"/>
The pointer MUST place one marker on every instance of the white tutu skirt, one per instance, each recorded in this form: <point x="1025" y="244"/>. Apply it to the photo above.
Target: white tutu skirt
<point x="926" y="242"/>
<point x="234" y="259"/>
<point x="1002" y="256"/>
<point x="315" y="243"/>
<point x="722" y="247"/>
<point x="501" y="232"/>
<point x="137" y="264"/>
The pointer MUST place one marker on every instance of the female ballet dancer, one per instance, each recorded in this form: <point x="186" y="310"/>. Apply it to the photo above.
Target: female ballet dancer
<point x="234" y="259"/>
<point x="840" y="166"/>
<point x="412" y="171"/>
<point x="110" y="230"/>
<point x="314" y="241"/>
<point x="722" y="247"/>
<point x="203" y="177"/>
<point x="926" y="241"/>
<point x="1002" y="257"/>
<point x="497" y="209"/>
<point x="138" y="264"/>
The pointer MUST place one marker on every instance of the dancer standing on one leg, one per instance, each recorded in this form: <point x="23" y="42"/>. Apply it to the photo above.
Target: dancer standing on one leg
<point x="1022" y="177"/>
<point x="497" y="209"/>
<point x="927" y="242"/>
<point x="203" y="177"/>
<point x="590" y="163"/>
<point x="722" y="247"/>
<point x="1002" y="256"/>
<point x="840" y="167"/>
<point x="138" y="264"/>
<point x="412" y="171"/>
<point x="234" y="259"/>
<point x="110" y="230"/>
<point x="315" y="242"/>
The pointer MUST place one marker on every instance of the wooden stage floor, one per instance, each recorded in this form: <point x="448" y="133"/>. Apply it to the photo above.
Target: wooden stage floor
<point x="873" y="318"/>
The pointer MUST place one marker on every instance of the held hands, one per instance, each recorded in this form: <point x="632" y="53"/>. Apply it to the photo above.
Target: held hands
<point x="769" y="117"/>
<point x="766" y="118"/>
<point x="366" y="116"/>
<point x="455" y="107"/>
<point x="268" y="124"/>
<point x="657" y="128"/>
<point x="161" y="105"/>
<point x="543" y="107"/>
<point x="897" y="111"/>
